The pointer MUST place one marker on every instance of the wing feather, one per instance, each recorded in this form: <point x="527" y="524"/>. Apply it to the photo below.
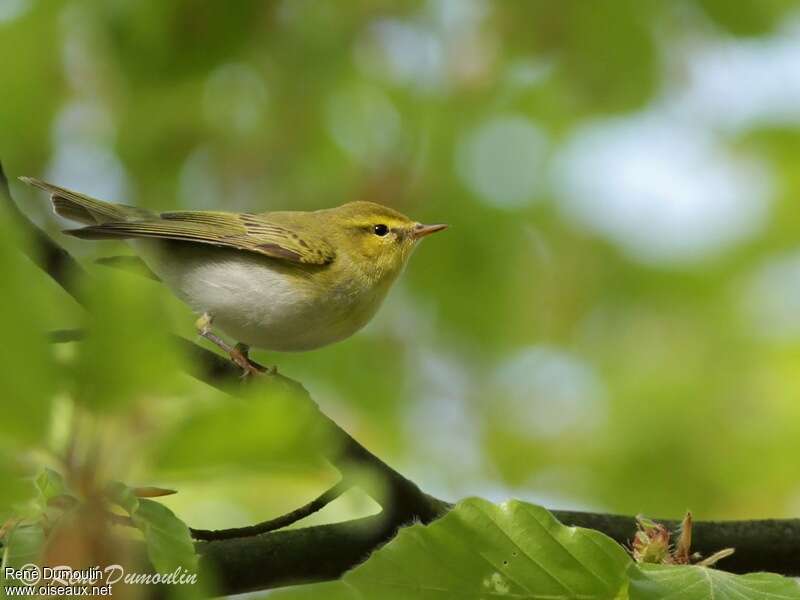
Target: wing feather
<point x="242" y="231"/>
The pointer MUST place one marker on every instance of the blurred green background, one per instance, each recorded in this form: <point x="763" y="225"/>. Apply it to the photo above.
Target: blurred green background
<point x="611" y="323"/>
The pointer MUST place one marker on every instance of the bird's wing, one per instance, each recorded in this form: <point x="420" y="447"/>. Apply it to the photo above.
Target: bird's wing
<point x="252" y="233"/>
<point x="242" y="231"/>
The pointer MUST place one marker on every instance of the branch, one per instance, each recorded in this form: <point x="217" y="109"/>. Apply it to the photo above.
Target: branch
<point x="278" y="523"/>
<point x="761" y="545"/>
<point x="293" y="556"/>
<point x="42" y="250"/>
<point x="325" y="552"/>
<point x="398" y="496"/>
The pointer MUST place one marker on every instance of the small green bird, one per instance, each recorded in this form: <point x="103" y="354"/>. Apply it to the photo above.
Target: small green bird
<point x="285" y="281"/>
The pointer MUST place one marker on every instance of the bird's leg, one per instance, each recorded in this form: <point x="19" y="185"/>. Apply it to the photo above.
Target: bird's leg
<point x="203" y="325"/>
<point x="237" y="353"/>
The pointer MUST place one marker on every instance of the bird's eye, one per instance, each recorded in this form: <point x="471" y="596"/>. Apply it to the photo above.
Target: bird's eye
<point x="380" y="230"/>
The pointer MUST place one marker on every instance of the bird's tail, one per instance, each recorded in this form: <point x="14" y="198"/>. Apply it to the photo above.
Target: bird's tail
<point x="77" y="207"/>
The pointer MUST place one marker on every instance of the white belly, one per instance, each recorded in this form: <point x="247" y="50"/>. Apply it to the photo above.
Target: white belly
<point x="259" y="301"/>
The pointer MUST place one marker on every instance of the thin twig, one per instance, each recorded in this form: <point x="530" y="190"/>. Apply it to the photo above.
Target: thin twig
<point x="290" y="518"/>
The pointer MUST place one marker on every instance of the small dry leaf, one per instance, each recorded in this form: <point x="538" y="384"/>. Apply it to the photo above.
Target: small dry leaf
<point x="152" y="492"/>
<point x="683" y="548"/>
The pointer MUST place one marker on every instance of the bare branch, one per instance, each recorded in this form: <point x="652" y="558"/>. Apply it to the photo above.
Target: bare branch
<point x="292" y="556"/>
<point x="290" y="518"/>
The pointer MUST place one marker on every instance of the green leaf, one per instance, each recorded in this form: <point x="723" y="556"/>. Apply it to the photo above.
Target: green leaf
<point x="50" y="484"/>
<point x="747" y="17"/>
<point x="121" y="494"/>
<point x="330" y="590"/>
<point x="480" y="550"/>
<point x="272" y="426"/>
<point x="169" y="545"/>
<point x="655" y="582"/>
<point x="127" y="354"/>
<point x="26" y="364"/>
<point x="15" y="488"/>
<point x="22" y="546"/>
<point x="53" y="495"/>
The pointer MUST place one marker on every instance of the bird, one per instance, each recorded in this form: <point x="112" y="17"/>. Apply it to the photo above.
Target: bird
<point x="285" y="281"/>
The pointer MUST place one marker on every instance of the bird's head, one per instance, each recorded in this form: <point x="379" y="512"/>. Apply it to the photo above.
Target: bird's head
<point x="377" y="239"/>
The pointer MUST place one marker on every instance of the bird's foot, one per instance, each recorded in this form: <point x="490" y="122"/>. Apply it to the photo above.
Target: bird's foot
<point x="240" y="356"/>
<point x="238" y="353"/>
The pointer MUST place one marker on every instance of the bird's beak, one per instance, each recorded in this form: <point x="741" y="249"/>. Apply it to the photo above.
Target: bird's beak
<point x="420" y="230"/>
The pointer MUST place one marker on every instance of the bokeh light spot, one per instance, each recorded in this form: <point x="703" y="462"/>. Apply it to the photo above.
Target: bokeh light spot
<point x="665" y="193"/>
<point x="235" y="98"/>
<point x="548" y="391"/>
<point x="84" y="158"/>
<point x="364" y="123"/>
<point x="737" y="84"/>
<point x="502" y="160"/>
<point x="771" y="302"/>
<point x="200" y="186"/>
<point x="13" y="9"/>
<point x="402" y="52"/>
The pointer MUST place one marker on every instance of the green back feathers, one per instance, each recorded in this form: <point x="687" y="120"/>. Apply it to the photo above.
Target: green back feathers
<point x="251" y="233"/>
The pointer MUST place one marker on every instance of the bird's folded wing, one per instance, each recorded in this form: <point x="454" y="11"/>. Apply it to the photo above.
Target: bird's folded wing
<point x="252" y="233"/>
